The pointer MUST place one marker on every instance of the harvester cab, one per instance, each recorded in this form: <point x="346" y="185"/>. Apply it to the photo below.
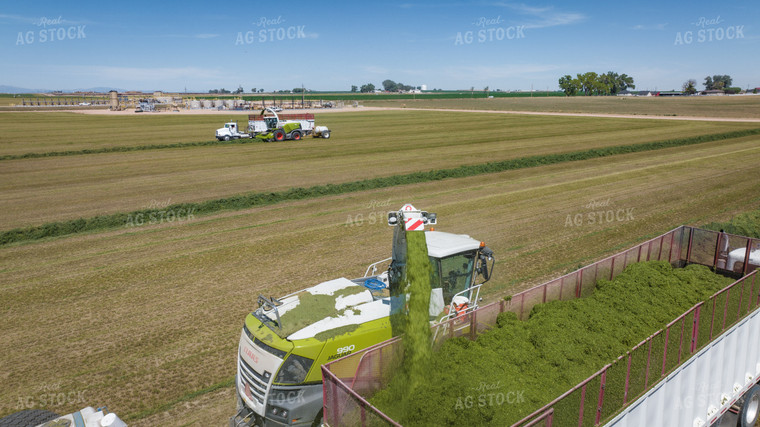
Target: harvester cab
<point x="285" y="340"/>
<point x="456" y="262"/>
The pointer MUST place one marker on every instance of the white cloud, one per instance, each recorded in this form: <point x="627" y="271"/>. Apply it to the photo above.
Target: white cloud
<point x="543" y="17"/>
<point x="17" y="18"/>
<point x="650" y="27"/>
<point x="193" y="36"/>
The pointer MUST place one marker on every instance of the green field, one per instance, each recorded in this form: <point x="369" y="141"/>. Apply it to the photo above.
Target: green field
<point x="146" y="319"/>
<point x="692" y="106"/>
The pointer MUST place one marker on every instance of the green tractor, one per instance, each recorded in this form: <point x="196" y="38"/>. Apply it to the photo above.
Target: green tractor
<point x="269" y="126"/>
<point x="285" y="340"/>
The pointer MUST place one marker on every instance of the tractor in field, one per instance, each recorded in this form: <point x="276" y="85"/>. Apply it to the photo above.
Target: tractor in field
<point x="285" y="340"/>
<point x="270" y="126"/>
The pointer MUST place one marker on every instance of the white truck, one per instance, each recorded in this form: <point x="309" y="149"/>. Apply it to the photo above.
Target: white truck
<point x="231" y="131"/>
<point x="270" y="126"/>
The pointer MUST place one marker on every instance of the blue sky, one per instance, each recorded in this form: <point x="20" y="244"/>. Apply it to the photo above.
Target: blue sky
<point x="143" y="45"/>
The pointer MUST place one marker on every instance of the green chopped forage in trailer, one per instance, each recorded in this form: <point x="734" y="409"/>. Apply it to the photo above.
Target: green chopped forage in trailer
<point x="518" y="366"/>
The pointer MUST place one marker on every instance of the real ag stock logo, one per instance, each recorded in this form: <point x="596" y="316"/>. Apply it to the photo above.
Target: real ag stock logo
<point x="710" y="30"/>
<point x="490" y="30"/>
<point x="270" y="30"/>
<point x="57" y="32"/>
<point x="599" y="212"/>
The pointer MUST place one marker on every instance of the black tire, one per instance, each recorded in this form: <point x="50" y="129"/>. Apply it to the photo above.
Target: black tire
<point x="28" y="418"/>
<point x="226" y="137"/>
<point x="296" y="135"/>
<point x="326" y="134"/>
<point x="318" y="420"/>
<point x="278" y="135"/>
<point x="750" y="412"/>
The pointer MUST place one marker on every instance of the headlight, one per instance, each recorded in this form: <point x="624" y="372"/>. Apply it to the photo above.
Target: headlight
<point x="294" y="370"/>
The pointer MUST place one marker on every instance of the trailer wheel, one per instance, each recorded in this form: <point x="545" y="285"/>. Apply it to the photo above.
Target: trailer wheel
<point x="279" y="135"/>
<point x="296" y="135"/>
<point x="27" y="418"/>
<point x="751" y="408"/>
<point x="326" y="134"/>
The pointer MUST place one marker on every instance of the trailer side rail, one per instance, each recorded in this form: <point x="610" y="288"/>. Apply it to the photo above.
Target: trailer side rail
<point x="616" y="385"/>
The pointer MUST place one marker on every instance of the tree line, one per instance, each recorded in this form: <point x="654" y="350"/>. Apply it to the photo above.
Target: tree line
<point x="591" y="83"/>
<point x="388" y="86"/>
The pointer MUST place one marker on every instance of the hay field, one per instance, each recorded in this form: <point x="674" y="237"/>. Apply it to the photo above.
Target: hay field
<point x="146" y="320"/>
<point x="40" y="190"/>
<point x="690" y="106"/>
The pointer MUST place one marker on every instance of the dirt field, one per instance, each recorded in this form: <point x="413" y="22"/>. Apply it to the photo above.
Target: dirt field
<point x="146" y="319"/>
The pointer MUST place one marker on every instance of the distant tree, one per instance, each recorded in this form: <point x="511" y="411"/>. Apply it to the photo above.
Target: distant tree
<point x="390" y="86"/>
<point x="261" y="90"/>
<point x="569" y="85"/>
<point x="624" y="81"/>
<point x="726" y="79"/>
<point x="369" y="87"/>
<point x="298" y="90"/>
<point x="689" y="87"/>
<point x="589" y="83"/>
<point x="213" y="91"/>
<point x="718" y="81"/>
<point x="354" y="88"/>
<point x="239" y="89"/>
<point x="253" y="90"/>
<point x="732" y="90"/>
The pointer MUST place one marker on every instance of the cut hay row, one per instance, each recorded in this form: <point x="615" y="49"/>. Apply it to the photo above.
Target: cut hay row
<point x="244" y="201"/>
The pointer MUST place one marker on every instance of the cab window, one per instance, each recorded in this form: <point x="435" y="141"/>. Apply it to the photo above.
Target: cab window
<point x="453" y="274"/>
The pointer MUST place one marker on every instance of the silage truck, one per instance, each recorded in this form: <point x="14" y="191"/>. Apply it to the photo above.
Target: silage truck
<point x="285" y="340"/>
<point x="270" y="126"/>
<point x="702" y="369"/>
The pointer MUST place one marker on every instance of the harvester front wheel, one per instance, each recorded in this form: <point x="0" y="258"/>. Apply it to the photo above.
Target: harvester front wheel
<point x="278" y="135"/>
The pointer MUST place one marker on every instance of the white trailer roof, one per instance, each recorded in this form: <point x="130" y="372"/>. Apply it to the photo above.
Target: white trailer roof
<point x="441" y="244"/>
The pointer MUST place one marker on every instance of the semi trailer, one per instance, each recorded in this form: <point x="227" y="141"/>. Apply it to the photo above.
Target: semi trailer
<point x="702" y="369"/>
